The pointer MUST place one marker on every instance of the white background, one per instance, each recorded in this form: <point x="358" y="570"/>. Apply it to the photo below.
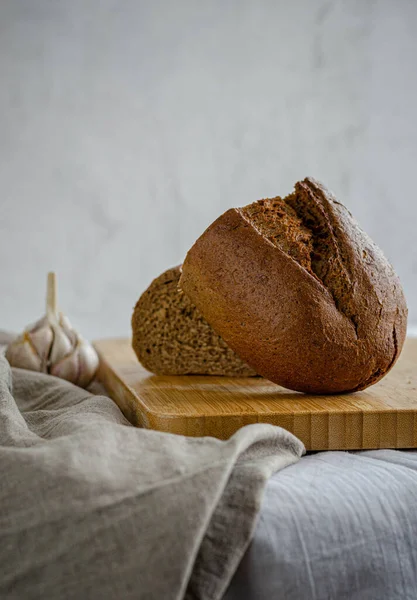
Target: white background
<point x="127" y="127"/>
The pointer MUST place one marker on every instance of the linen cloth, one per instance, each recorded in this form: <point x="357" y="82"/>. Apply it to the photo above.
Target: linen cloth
<point x="93" y="508"/>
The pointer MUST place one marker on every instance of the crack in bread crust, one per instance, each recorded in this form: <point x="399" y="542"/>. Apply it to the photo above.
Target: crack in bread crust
<point x="280" y="224"/>
<point x="329" y="261"/>
<point x="300" y="226"/>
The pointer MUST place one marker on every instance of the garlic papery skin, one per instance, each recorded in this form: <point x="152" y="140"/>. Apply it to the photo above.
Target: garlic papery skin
<point x="31" y="349"/>
<point x="79" y="366"/>
<point x="21" y="353"/>
<point x="52" y="346"/>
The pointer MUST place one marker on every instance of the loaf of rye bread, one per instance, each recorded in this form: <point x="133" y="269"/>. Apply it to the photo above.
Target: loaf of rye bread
<point x="171" y="337"/>
<point x="299" y="292"/>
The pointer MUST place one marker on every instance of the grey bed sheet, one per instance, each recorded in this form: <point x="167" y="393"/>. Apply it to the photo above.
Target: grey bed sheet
<point x="335" y="525"/>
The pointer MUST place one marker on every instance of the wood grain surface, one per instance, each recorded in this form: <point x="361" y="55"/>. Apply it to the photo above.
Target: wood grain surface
<point x="383" y="416"/>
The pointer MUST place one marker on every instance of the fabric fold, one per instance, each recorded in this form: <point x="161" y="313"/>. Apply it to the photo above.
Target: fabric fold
<point x="91" y="507"/>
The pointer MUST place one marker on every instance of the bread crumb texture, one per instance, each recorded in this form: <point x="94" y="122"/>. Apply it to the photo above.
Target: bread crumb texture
<point x="171" y="337"/>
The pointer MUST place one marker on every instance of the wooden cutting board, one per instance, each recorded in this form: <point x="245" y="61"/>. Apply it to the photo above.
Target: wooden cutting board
<point x="383" y="416"/>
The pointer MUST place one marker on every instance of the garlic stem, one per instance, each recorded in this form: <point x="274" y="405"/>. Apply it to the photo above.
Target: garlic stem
<point x="51" y="298"/>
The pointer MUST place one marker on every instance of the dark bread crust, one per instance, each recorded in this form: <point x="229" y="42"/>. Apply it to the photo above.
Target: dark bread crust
<point x="336" y="326"/>
<point x="171" y="337"/>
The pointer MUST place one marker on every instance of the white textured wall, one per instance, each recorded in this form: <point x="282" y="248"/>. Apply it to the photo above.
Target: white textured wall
<point x="127" y="127"/>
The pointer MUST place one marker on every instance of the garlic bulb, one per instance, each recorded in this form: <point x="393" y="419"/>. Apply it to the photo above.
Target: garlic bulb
<point x="52" y="346"/>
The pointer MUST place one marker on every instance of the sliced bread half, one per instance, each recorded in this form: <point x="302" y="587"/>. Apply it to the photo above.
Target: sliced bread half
<point x="171" y="337"/>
